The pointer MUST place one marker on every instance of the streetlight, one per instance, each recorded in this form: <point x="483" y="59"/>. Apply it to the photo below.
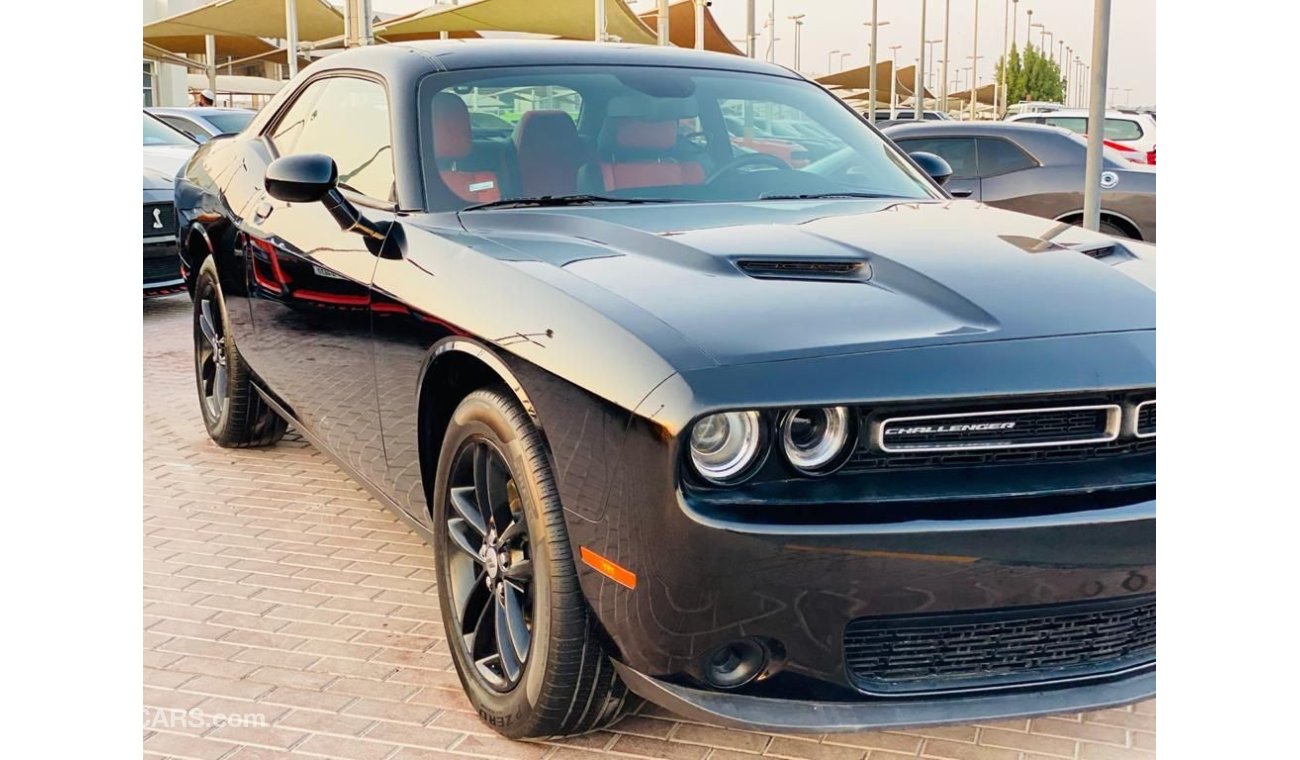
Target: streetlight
<point x="1067" y="75"/>
<point x="1000" y="91"/>
<point x="893" y="80"/>
<point x="1111" y="101"/>
<point x="975" y="59"/>
<point x="943" y="76"/>
<point x="918" y="77"/>
<point x="1029" y="30"/>
<point x="798" y="22"/>
<point x="1041" y="35"/>
<point x="842" y="57"/>
<point x="875" y="25"/>
<point x="929" y="65"/>
<point x="974" y="80"/>
<point x="829" y="58"/>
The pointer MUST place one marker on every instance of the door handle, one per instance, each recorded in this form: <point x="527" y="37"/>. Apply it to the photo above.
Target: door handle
<point x="263" y="211"/>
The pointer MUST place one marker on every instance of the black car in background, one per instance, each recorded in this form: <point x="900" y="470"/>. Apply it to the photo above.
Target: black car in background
<point x="1037" y="170"/>
<point x="165" y="152"/>
<point x="765" y="444"/>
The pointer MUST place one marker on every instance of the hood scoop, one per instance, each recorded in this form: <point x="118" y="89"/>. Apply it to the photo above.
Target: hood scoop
<point x="848" y="270"/>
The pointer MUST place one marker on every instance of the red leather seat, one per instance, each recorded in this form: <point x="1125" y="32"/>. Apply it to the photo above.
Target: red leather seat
<point x="549" y="153"/>
<point x="452" y="144"/>
<point x="639" y="153"/>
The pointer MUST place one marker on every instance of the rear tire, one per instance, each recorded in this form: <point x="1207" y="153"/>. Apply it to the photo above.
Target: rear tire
<point x="233" y="412"/>
<point x="504" y="555"/>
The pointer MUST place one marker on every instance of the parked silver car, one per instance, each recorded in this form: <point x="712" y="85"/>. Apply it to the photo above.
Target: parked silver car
<point x="165" y="152"/>
<point x="204" y="123"/>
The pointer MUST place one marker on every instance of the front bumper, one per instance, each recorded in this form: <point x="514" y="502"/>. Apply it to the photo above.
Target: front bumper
<point x="774" y="714"/>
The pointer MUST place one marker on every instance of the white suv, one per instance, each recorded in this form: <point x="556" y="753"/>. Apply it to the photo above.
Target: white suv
<point x="1133" y="134"/>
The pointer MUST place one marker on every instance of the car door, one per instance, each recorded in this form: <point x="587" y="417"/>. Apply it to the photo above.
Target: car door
<point x="960" y="154"/>
<point x="309" y="281"/>
<point x="1004" y="169"/>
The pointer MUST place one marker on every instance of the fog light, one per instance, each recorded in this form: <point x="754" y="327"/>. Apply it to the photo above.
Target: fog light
<point x="735" y="664"/>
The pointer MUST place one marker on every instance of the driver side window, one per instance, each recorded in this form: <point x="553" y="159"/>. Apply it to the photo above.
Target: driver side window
<point x="346" y="119"/>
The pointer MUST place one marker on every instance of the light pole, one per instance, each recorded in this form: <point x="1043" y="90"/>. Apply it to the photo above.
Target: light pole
<point x="751" y="40"/>
<point x="943" y="76"/>
<point x="929" y="64"/>
<point x="1066" y="74"/>
<point x="875" y="24"/>
<point x="1110" y="103"/>
<point x="699" y="24"/>
<point x="1078" y="81"/>
<point x="600" y="21"/>
<point x="893" y="80"/>
<point x="771" y="24"/>
<point x="798" y="22"/>
<point x="830" y="57"/>
<point x="842" y="57"/>
<point x="1042" y="41"/>
<point x="1096" y="115"/>
<point x="1127" y="92"/>
<point x="1000" y="94"/>
<point x="975" y="59"/>
<point x="918" y="77"/>
<point x="1029" y="28"/>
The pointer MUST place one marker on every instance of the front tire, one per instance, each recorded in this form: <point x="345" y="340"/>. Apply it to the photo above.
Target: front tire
<point x="517" y="624"/>
<point x="233" y="412"/>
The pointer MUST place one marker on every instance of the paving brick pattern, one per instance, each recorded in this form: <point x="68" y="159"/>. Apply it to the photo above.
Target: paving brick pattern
<point x="274" y="587"/>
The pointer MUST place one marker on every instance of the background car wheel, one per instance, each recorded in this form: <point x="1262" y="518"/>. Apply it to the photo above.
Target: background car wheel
<point x="235" y="416"/>
<point x="1106" y="228"/>
<point x="517" y="624"/>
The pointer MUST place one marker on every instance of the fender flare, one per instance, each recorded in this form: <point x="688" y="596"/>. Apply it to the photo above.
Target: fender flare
<point x="466" y="345"/>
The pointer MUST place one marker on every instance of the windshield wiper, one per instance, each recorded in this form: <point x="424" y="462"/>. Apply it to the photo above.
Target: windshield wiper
<point x="583" y="199"/>
<point x="817" y="196"/>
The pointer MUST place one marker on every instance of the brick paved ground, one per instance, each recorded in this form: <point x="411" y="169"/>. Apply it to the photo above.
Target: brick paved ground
<point x="275" y="586"/>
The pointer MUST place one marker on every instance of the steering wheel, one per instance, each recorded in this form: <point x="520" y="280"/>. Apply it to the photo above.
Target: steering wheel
<point x="748" y="159"/>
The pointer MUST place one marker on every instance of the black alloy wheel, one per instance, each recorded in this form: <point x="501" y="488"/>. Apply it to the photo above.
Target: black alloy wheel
<point x="524" y="642"/>
<point x="491" y="570"/>
<point x="233" y="412"/>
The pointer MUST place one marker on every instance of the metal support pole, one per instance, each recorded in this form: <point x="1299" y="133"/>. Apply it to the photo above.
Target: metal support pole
<point x="367" y="23"/>
<point x="699" y="24"/>
<point x="1096" y="115"/>
<point x="599" y="33"/>
<point x="918" y="78"/>
<point x="893" y="81"/>
<point x="210" y="62"/>
<point x="771" y="43"/>
<point x="974" y="60"/>
<point x="751" y="39"/>
<point x="1000" y="102"/>
<point x="291" y="32"/>
<point x="871" y="62"/>
<point x="663" y="23"/>
<point x="1029" y="28"/>
<point x="943" y="78"/>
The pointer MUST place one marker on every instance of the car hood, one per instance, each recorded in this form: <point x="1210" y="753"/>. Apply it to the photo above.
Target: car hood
<point x="162" y="163"/>
<point x="931" y="272"/>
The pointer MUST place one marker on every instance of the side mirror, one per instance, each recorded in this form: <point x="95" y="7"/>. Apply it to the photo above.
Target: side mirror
<point x="933" y="165"/>
<point x="304" y="178"/>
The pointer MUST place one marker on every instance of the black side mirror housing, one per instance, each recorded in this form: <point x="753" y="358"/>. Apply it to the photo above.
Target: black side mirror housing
<point x="933" y="165"/>
<point x="304" y="178"/>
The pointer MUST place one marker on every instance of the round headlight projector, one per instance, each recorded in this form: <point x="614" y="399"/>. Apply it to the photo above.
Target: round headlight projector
<point x="814" y="438"/>
<point x="724" y="445"/>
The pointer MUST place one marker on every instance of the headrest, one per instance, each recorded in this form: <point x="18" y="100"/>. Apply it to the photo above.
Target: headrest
<point x="451" y="134"/>
<point x="635" y="134"/>
<point x="542" y="126"/>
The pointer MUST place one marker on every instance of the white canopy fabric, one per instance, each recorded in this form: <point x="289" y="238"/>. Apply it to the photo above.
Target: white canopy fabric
<point x="317" y="20"/>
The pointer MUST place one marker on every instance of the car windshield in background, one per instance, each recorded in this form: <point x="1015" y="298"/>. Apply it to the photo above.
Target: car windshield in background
<point x="643" y="133"/>
<point x="157" y="133"/>
<point x="229" y="123"/>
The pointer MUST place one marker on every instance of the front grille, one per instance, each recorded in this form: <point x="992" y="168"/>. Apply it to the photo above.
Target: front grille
<point x="1001" y="648"/>
<point x="805" y="269"/>
<point x="1146" y="419"/>
<point x="1000" y="429"/>
<point x="867" y="459"/>
<point x="159" y="219"/>
<point x="162" y="269"/>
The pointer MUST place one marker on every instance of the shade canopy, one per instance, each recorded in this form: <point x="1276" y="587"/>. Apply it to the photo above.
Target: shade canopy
<point x="983" y="95"/>
<point x="681" y="28"/>
<point x="317" y="20"/>
<point x="237" y="85"/>
<point x="570" y="19"/>
<point x="860" y="79"/>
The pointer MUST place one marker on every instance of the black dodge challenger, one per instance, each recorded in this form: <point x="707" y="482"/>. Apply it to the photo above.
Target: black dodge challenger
<point x="681" y="417"/>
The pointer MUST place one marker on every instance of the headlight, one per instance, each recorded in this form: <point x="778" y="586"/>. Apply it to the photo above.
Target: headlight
<point x="723" y="446"/>
<point x="813" y="438"/>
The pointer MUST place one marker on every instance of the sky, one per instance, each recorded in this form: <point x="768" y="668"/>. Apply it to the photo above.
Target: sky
<point x="839" y="25"/>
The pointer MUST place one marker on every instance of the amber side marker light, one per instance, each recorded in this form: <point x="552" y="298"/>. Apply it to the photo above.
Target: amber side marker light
<point x="608" y="568"/>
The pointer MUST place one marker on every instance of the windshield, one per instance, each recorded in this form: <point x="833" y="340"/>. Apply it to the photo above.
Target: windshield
<point x="647" y="133"/>
<point x="229" y="123"/>
<point x="157" y="133"/>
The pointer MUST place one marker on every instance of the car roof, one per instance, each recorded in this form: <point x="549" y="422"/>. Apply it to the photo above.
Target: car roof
<point x="195" y="110"/>
<point x="973" y="128"/>
<point x="1075" y="112"/>
<point x="421" y="56"/>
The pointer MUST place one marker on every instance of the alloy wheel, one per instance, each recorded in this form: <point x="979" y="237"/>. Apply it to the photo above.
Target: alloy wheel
<point x="210" y="353"/>
<point x="489" y="564"/>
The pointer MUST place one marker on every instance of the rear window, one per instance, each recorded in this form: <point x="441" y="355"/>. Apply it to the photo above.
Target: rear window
<point x="1123" y="129"/>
